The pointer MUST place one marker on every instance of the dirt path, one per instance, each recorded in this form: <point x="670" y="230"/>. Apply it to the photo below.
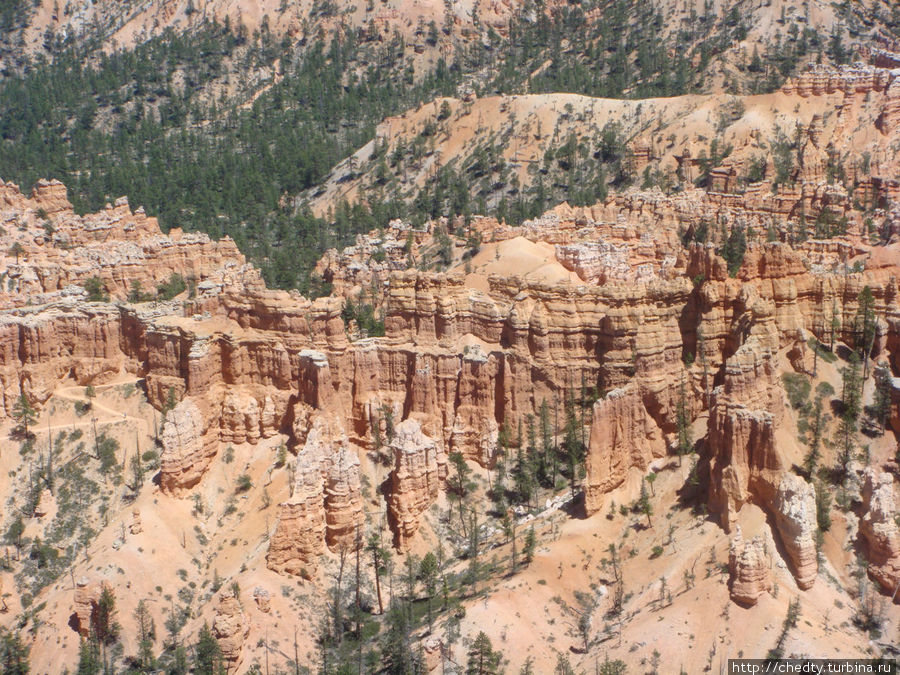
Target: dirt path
<point x="77" y="393"/>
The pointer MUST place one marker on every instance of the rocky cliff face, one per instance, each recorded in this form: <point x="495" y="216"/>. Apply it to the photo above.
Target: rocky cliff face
<point x="420" y="468"/>
<point x="750" y="568"/>
<point x="744" y="414"/>
<point x="623" y="437"/>
<point x="87" y="599"/>
<point x="230" y="628"/>
<point x="879" y="530"/>
<point x="187" y="447"/>
<point x="745" y="461"/>
<point x="795" y="518"/>
<point x="50" y="251"/>
<point x="654" y="324"/>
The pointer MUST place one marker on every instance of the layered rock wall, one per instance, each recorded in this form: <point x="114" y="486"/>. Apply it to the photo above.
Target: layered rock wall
<point x="420" y="468"/>
<point x="750" y="569"/>
<point x="879" y="531"/>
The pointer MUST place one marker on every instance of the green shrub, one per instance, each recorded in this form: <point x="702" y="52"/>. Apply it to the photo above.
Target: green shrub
<point x="797" y="386"/>
<point x="96" y="290"/>
<point x="167" y="290"/>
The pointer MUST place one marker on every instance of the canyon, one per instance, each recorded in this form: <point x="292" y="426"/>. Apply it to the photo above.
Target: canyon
<point x="612" y="299"/>
<point x="541" y="431"/>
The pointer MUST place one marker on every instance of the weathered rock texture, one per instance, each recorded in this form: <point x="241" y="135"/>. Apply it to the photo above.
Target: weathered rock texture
<point x="325" y="504"/>
<point x="750" y="568"/>
<point x="299" y="538"/>
<point x="87" y="601"/>
<point x="651" y="324"/>
<point x="623" y="436"/>
<point x="230" y="628"/>
<point x="744" y="413"/>
<point x="61" y="250"/>
<point x="795" y="519"/>
<point x="879" y="530"/>
<point x="187" y="449"/>
<point x="420" y="468"/>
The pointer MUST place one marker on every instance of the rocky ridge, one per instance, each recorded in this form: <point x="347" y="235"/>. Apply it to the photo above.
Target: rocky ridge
<point x="237" y="364"/>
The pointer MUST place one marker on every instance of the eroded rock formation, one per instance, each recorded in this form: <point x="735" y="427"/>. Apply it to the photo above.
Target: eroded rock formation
<point x="299" y="537"/>
<point x="795" y="518"/>
<point x="230" y="628"/>
<point x="420" y="468"/>
<point x="750" y="568"/>
<point x="623" y="436"/>
<point x="744" y="413"/>
<point x="652" y="324"/>
<point x="879" y="530"/>
<point x="86" y="604"/>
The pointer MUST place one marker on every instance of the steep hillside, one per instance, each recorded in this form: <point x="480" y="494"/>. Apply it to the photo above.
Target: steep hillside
<point x="558" y="336"/>
<point x="602" y="431"/>
<point x="517" y="155"/>
<point x="224" y="129"/>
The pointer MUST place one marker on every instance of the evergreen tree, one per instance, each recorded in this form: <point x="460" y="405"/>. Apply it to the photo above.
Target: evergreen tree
<point x="563" y="667"/>
<point x="14" y="534"/>
<point x="572" y="446"/>
<point x="146" y="636"/>
<point x="644" y="505"/>
<point x="851" y="398"/>
<point x="428" y="572"/>
<point x="881" y="405"/>
<point x="529" y="545"/>
<point x="13" y="654"/>
<point x="734" y="248"/>
<point x="865" y="327"/>
<point x="396" y="651"/>
<point x="89" y="662"/>
<point x="482" y="659"/>
<point x="547" y="449"/>
<point x="24" y="413"/>
<point x="16" y="250"/>
<point x="683" y="423"/>
<point x="207" y="654"/>
<point x="380" y="558"/>
<point x="816" y="428"/>
<point x="459" y="484"/>
<point x="104" y="627"/>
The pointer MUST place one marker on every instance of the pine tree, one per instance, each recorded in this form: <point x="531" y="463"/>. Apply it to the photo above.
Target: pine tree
<point x="651" y="479"/>
<point x="24" y="413"/>
<point x="851" y="400"/>
<point x="817" y="426"/>
<point x="546" y="433"/>
<point x="573" y="448"/>
<point x="13" y="654"/>
<point x="16" y="250"/>
<point x="482" y="659"/>
<point x="683" y="423"/>
<point x="529" y="545"/>
<point x="380" y="558"/>
<point x="89" y="662"/>
<point x="396" y="651"/>
<point x="103" y="622"/>
<point x="459" y="484"/>
<point x="137" y="471"/>
<point x="14" y="534"/>
<point x="881" y="405"/>
<point x="865" y="327"/>
<point x="146" y="635"/>
<point x="734" y="248"/>
<point x="207" y="654"/>
<point x="428" y="572"/>
<point x="644" y="505"/>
